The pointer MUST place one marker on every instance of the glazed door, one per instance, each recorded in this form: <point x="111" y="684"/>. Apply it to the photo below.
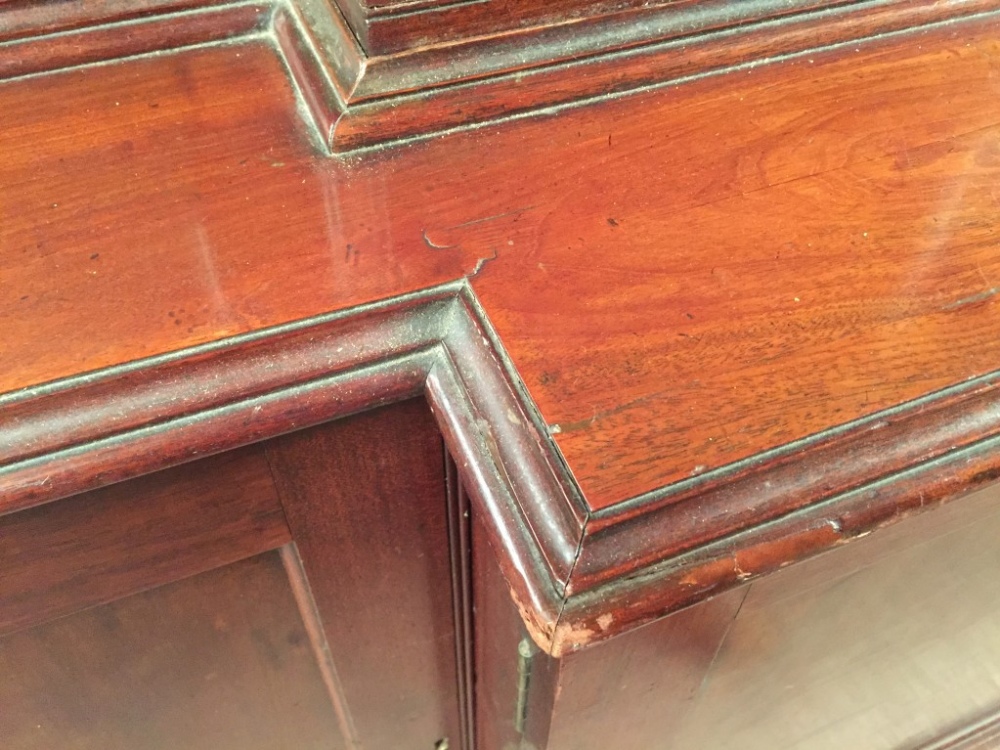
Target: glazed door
<point x="301" y="593"/>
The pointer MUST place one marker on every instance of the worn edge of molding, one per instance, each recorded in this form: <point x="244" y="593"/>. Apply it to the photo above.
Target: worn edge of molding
<point x="982" y="734"/>
<point x="360" y="102"/>
<point x="83" y="432"/>
<point x="566" y="574"/>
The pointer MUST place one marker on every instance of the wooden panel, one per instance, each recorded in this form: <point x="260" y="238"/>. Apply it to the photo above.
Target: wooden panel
<point x="366" y="501"/>
<point x="106" y="544"/>
<point x="216" y="662"/>
<point x="635" y="690"/>
<point x="863" y="648"/>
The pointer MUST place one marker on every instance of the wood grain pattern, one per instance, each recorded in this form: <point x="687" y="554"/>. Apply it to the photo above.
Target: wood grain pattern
<point x="78" y="38"/>
<point x="131" y="249"/>
<point x="21" y="18"/>
<point x="216" y="662"/>
<point x="359" y="100"/>
<point x="110" y="543"/>
<point x="503" y="718"/>
<point x="365" y="499"/>
<point x="888" y="643"/>
<point x="392" y="27"/>
<point x="802" y="246"/>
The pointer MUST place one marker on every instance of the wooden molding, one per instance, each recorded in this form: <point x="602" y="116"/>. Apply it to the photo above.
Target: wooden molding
<point x="568" y="569"/>
<point x="386" y="73"/>
<point x="983" y="734"/>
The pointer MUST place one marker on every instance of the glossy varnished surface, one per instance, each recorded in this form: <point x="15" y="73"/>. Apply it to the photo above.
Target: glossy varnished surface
<point x="763" y="260"/>
<point x="683" y="278"/>
<point x="150" y="205"/>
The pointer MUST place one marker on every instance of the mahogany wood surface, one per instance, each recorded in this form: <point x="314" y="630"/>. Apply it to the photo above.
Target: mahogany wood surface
<point x="358" y="100"/>
<point x="20" y="18"/>
<point x="387" y="26"/>
<point x="365" y="498"/>
<point x="220" y="661"/>
<point x="107" y="544"/>
<point x="801" y="181"/>
<point x="504" y="715"/>
<point x="646" y="263"/>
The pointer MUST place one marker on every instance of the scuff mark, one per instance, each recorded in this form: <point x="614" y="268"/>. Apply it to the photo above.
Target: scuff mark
<point x="569" y="638"/>
<point x="482" y="262"/>
<point x="432" y="245"/>
<point x="740" y="573"/>
<point x="722" y="641"/>
<point x="972" y="299"/>
<point x="605" y="620"/>
<point x="585" y="423"/>
<point x="834" y="524"/>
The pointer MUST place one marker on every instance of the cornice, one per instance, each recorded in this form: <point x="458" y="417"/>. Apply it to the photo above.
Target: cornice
<point x="359" y="101"/>
<point x="577" y="577"/>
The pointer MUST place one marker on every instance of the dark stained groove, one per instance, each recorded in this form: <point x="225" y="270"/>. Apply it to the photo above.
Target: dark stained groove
<point x="461" y="583"/>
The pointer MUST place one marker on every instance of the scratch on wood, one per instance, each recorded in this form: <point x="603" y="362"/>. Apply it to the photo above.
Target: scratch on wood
<point x="585" y="423"/>
<point x="722" y="641"/>
<point x="515" y="212"/>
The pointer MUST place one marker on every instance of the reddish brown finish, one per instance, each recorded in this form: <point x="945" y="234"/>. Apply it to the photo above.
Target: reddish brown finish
<point x="498" y="632"/>
<point x="640" y="686"/>
<point x="110" y="543"/>
<point x="365" y="499"/>
<point x="887" y="643"/>
<point x="359" y="101"/>
<point x="401" y="71"/>
<point x="19" y="18"/>
<point x="700" y="287"/>
<point x="421" y="215"/>
<point x="96" y="44"/>
<point x="216" y="662"/>
<point x="131" y="247"/>
<point x="778" y="335"/>
<point x="784" y="246"/>
<point x="387" y="27"/>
